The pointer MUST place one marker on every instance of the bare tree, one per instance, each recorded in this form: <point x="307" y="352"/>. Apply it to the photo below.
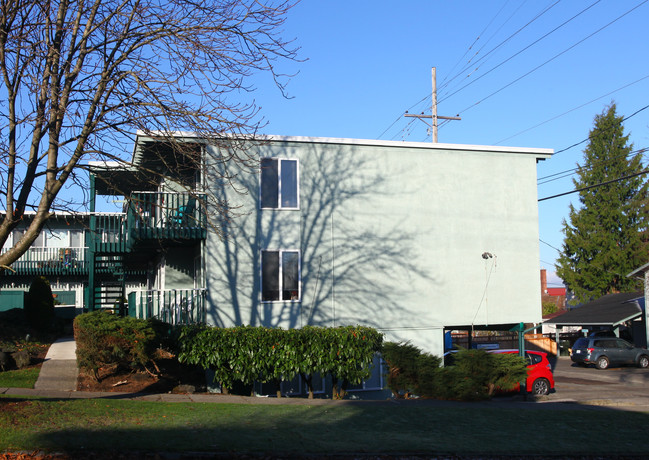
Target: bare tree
<point x="79" y="77"/>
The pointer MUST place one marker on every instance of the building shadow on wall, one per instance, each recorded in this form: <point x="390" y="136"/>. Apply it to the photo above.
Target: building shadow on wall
<point x="352" y="270"/>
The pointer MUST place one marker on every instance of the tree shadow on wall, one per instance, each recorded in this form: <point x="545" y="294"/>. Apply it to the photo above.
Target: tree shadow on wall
<point x="356" y="259"/>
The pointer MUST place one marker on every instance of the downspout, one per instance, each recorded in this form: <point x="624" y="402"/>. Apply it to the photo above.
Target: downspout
<point x="333" y="275"/>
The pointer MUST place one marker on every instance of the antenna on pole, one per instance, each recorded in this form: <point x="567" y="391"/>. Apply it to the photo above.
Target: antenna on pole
<point x="434" y="117"/>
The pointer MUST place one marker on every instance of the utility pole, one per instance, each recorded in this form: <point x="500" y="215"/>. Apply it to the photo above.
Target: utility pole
<point x="434" y="117"/>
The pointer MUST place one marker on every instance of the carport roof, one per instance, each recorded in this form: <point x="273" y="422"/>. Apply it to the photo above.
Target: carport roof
<point x="610" y="310"/>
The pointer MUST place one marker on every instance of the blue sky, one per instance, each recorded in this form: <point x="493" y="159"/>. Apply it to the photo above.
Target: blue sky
<point x="501" y="66"/>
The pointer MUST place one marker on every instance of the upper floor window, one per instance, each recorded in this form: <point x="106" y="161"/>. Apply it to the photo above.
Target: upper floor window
<point x="280" y="275"/>
<point x="279" y="184"/>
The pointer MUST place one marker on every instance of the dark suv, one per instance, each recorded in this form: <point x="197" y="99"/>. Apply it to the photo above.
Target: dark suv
<point x="606" y="351"/>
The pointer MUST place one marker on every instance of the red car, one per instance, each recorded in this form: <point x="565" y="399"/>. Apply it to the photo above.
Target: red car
<point x="540" y="380"/>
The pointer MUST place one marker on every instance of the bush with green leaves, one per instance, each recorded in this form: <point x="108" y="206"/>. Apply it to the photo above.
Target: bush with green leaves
<point x="475" y="375"/>
<point x="103" y="339"/>
<point x="39" y="305"/>
<point x="410" y="371"/>
<point x="402" y="367"/>
<point x="247" y="354"/>
<point x="478" y="374"/>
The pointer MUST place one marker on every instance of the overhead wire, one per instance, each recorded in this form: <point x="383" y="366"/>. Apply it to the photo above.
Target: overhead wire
<point x="572" y="171"/>
<point x="596" y="132"/>
<point x="552" y="58"/>
<point x="573" y="109"/>
<point x="548" y="244"/>
<point x="445" y="83"/>
<point x="476" y="41"/>
<point x="505" y="41"/>
<point x="531" y="71"/>
<point x="401" y="116"/>
<point x="601" y="184"/>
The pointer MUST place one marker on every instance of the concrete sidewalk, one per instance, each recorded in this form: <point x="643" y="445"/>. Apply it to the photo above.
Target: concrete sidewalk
<point x="59" y="371"/>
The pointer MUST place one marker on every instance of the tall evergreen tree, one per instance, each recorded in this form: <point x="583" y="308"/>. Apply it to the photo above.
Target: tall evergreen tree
<point x="604" y="239"/>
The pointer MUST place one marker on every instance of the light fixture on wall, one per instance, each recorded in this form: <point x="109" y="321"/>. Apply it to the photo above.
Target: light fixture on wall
<point x="487" y="255"/>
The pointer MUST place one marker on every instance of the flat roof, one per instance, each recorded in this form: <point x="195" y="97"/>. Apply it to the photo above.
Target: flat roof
<point x="539" y="152"/>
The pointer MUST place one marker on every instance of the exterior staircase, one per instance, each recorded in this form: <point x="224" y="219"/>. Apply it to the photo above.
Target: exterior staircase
<point x="110" y="282"/>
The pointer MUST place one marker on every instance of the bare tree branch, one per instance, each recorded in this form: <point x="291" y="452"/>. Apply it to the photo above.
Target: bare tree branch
<point x="79" y="77"/>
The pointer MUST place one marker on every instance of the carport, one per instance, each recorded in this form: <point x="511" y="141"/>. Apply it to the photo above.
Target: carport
<point x="608" y="312"/>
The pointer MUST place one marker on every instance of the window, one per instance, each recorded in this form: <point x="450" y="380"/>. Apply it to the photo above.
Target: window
<point x="76" y="239"/>
<point x="280" y="275"/>
<point x="279" y="184"/>
<point x="57" y="238"/>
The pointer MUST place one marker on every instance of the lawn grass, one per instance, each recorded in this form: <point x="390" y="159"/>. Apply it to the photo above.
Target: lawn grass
<point x="120" y="426"/>
<point x="21" y="378"/>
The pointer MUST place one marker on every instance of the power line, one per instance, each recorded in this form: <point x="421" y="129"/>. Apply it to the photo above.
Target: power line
<point x="525" y="48"/>
<point x="401" y="116"/>
<point x="445" y="83"/>
<point x="548" y="244"/>
<point x="645" y="171"/>
<point x="476" y="40"/>
<point x="570" y="172"/>
<point x="597" y="131"/>
<point x="553" y="58"/>
<point x="389" y="127"/>
<point x="573" y="109"/>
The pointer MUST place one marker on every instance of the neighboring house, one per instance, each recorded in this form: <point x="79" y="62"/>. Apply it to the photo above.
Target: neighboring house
<point x="552" y="296"/>
<point x="621" y="313"/>
<point x="414" y="239"/>
<point x="643" y="274"/>
<point x="59" y="253"/>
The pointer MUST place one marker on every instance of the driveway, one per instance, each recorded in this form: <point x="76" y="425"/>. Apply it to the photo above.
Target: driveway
<point x="616" y="386"/>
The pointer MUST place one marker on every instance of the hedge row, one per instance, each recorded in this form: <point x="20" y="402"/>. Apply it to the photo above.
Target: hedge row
<point x="475" y="374"/>
<point x="247" y="354"/>
<point x="105" y="339"/>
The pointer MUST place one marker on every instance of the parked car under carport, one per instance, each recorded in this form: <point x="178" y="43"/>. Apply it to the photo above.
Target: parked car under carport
<point x="603" y="352"/>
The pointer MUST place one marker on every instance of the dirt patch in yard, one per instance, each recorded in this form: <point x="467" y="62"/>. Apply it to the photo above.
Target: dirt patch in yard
<point x="167" y="376"/>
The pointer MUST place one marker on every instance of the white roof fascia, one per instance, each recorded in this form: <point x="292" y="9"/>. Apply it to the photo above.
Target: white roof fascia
<point x="639" y="270"/>
<point x="634" y="316"/>
<point x="539" y="152"/>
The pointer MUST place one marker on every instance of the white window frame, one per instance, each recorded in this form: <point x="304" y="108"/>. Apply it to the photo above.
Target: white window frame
<point x="279" y="184"/>
<point x="280" y="273"/>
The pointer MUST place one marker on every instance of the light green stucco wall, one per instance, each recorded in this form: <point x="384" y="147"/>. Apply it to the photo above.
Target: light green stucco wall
<point x="391" y="236"/>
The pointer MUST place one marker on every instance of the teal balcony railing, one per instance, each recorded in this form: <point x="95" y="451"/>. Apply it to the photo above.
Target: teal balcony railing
<point x="173" y="306"/>
<point x="154" y="215"/>
<point x="108" y="234"/>
<point x="150" y="216"/>
<point x="52" y="261"/>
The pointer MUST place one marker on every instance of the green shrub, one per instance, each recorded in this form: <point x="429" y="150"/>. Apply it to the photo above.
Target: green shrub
<point x="402" y="361"/>
<point x="105" y="339"/>
<point x="428" y="375"/>
<point x="475" y="375"/>
<point x="39" y="305"/>
<point x="410" y="371"/>
<point x="247" y="354"/>
<point x="350" y="355"/>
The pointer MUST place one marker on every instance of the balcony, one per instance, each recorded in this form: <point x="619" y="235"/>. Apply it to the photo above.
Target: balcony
<point x="173" y="306"/>
<point x="151" y="217"/>
<point x="165" y="215"/>
<point x="52" y="261"/>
